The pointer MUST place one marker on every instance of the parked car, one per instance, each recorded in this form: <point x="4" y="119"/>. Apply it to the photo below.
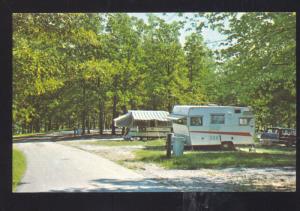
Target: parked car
<point x="279" y="135"/>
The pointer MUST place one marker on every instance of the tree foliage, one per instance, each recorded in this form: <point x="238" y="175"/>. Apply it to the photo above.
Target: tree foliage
<point x="83" y="70"/>
<point x="259" y="64"/>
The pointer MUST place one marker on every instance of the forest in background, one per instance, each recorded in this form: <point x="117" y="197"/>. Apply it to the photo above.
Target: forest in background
<point x="84" y="69"/>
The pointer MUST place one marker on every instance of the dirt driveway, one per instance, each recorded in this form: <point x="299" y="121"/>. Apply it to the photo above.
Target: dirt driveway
<point x="208" y="180"/>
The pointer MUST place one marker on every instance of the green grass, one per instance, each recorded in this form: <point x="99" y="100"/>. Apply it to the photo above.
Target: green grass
<point x="19" y="166"/>
<point x="26" y="135"/>
<point x="34" y="134"/>
<point x="273" y="150"/>
<point x="155" y="152"/>
<point x="159" y="143"/>
<point x="264" y="157"/>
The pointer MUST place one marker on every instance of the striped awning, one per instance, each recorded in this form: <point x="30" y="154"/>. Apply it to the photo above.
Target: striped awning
<point x="140" y="115"/>
<point x="150" y="115"/>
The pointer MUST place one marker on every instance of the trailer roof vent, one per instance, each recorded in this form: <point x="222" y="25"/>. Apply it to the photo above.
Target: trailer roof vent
<point x="237" y="111"/>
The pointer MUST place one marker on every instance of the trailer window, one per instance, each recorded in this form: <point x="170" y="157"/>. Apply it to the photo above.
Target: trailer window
<point x="285" y="132"/>
<point x="245" y="121"/>
<point x="182" y="121"/>
<point x="247" y="113"/>
<point x="217" y="119"/>
<point x="272" y="130"/>
<point x="196" y="121"/>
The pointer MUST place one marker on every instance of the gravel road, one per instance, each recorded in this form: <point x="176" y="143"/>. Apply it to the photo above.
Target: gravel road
<point x="207" y="180"/>
<point x="53" y="167"/>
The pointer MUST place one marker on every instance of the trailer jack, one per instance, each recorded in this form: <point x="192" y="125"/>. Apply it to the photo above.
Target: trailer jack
<point x="252" y="148"/>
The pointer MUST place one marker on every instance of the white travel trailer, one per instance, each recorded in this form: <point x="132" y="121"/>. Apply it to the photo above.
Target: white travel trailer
<point x="213" y="125"/>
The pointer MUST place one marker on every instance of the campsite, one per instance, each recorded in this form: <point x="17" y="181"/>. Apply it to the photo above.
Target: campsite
<point x="269" y="169"/>
<point x="154" y="102"/>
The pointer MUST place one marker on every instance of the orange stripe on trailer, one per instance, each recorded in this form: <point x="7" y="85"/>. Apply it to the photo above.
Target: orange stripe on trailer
<point x="224" y="133"/>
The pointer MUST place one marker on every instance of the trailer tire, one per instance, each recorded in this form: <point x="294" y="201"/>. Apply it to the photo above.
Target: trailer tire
<point x="228" y="145"/>
<point x="289" y="143"/>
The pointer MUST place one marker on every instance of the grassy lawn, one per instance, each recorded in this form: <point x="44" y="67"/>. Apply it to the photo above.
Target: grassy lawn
<point x="273" y="150"/>
<point x="151" y="143"/>
<point x="26" y="135"/>
<point x="19" y="166"/>
<point x="263" y="157"/>
<point x="154" y="152"/>
<point x="35" y="134"/>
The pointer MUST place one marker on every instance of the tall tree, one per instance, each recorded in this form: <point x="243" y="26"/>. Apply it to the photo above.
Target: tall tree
<point x="259" y="66"/>
<point x="165" y="70"/>
<point x="201" y="72"/>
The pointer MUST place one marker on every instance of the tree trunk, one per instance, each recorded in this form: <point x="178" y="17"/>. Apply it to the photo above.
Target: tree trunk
<point x="289" y="120"/>
<point x="114" y="111"/>
<point x="124" y="112"/>
<point x="45" y="125"/>
<point x="83" y="108"/>
<point x="37" y="125"/>
<point x="153" y="102"/>
<point x="23" y="128"/>
<point x="42" y="129"/>
<point x="88" y="124"/>
<point x="30" y="128"/>
<point x="168" y="90"/>
<point x="94" y="123"/>
<point x="101" y="122"/>
<point x="104" y="120"/>
<point x="49" y="124"/>
<point x="169" y="105"/>
<point x="34" y="126"/>
<point x="191" y="74"/>
<point x="57" y="125"/>
<point x="132" y="104"/>
<point x="114" y="115"/>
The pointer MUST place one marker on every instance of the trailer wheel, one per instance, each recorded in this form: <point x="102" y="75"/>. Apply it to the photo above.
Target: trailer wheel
<point x="289" y="143"/>
<point x="228" y="145"/>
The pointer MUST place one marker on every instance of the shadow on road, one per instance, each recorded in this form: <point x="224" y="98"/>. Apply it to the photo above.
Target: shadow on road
<point x="118" y="185"/>
<point x="191" y="184"/>
<point x="156" y="185"/>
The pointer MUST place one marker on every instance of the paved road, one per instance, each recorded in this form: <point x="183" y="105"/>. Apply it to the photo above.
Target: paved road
<point x="53" y="167"/>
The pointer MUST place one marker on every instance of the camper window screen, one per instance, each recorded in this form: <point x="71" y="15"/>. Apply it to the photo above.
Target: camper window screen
<point x="217" y="119"/>
<point x="196" y="121"/>
<point x="244" y="121"/>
